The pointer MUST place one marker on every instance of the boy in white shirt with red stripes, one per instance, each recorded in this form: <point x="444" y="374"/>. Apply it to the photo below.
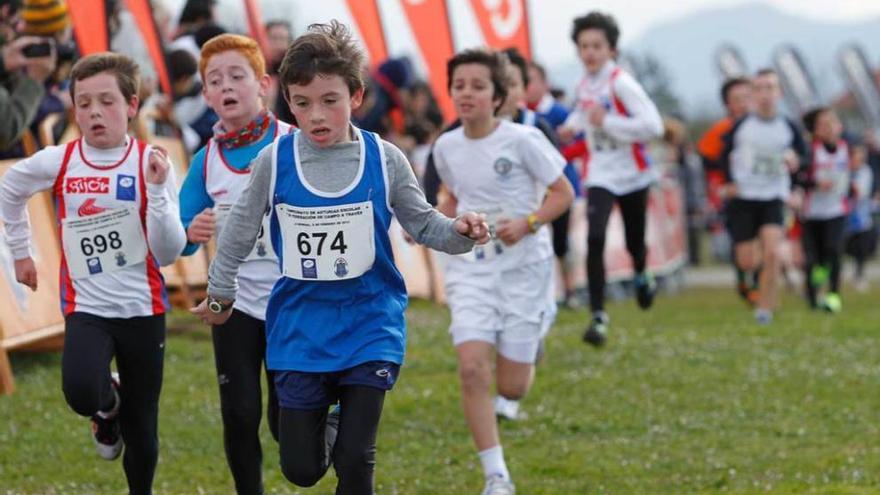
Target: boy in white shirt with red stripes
<point x="116" y="204"/>
<point x="618" y="119"/>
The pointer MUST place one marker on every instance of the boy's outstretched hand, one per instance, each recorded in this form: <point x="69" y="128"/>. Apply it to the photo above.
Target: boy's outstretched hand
<point x="474" y="226"/>
<point x="158" y="166"/>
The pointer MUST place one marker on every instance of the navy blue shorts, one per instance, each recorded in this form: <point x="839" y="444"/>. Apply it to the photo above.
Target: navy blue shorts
<point x="308" y="391"/>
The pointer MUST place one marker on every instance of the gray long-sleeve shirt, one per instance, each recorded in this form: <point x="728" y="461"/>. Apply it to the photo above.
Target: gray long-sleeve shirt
<point x="328" y="170"/>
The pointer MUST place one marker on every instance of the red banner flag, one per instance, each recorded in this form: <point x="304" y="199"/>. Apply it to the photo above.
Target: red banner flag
<point x="143" y="16"/>
<point x="89" y="25"/>
<point x="255" y="24"/>
<point x="429" y="21"/>
<point x="369" y="23"/>
<point x="505" y="24"/>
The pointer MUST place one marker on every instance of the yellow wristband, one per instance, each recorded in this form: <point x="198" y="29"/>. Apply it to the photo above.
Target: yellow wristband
<point x="534" y="223"/>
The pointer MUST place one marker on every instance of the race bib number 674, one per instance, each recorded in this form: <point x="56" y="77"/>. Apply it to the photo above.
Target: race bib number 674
<point x="327" y="242"/>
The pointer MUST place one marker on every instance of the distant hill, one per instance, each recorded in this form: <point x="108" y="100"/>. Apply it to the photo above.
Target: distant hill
<point x="686" y="46"/>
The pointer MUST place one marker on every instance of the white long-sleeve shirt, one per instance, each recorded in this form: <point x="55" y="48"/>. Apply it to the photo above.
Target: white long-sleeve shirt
<point x="618" y="159"/>
<point x="88" y="181"/>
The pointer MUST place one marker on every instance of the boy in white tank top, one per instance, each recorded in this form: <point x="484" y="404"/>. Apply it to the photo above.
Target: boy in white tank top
<point x="118" y="221"/>
<point x="235" y="84"/>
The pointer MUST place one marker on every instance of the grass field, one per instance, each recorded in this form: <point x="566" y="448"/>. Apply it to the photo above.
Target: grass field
<point x="691" y="398"/>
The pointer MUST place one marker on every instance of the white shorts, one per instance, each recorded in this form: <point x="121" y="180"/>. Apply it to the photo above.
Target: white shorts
<point x="512" y="310"/>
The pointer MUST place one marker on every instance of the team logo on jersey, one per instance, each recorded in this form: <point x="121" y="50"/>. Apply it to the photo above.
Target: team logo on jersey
<point x="341" y="267"/>
<point x="94" y="265"/>
<point x="503" y="166"/>
<point x="120" y="259"/>
<point x="261" y="249"/>
<point x="309" y="268"/>
<point x="479" y="253"/>
<point x="89" y="208"/>
<point x="605" y="101"/>
<point x="125" y="187"/>
<point x="87" y="185"/>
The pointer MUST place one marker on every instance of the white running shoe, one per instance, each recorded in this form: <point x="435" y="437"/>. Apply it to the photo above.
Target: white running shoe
<point x="497" y="485"/>
<point x="506" y="408"/>
<point x="105" y="429"/>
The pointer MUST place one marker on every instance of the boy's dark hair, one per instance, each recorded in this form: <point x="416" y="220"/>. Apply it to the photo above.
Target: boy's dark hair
<point x="731" y="83"/>
<point x="540" y="68"/>
<point x="206" y="33"/>
<point x="766" y="71"/>
<point x="516" y="58"/>
<point x="557" y="93"/>
<point x="496" y="62"/>
<point x="122" y="67"/>
<point x="326" y="49"/>
<point x="181" y="64"/>
<point x="197" y="11"/>
<point x="597" y="20"/>
<point x="810" y="118"/>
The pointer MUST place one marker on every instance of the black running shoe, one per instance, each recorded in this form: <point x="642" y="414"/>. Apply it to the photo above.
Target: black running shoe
<point x="106" y="432"/>
<point x="646" y="288"/>
<point x="597" y="332"/>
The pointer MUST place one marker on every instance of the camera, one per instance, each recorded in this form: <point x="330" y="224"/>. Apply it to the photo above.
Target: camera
<point x="37" y="50"/>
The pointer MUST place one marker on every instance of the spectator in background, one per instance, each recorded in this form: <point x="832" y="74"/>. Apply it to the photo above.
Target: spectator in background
<point x="49" y="19"/>
<point x="188" y="107"/>
<point x="383" y="97"/>
<point x="195" y="14"/>
<point x="690" y="175"/>
<point x="280" y="36"/>
<point x="423" y="122"/>
<point x="539" y="99"/>
<point x="21" y="77"/>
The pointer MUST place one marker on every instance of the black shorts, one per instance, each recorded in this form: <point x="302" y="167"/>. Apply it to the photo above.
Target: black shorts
<point x="745" y="217"/>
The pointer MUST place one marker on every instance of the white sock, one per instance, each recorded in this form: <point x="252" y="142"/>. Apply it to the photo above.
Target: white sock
<point x="493" y="462"/>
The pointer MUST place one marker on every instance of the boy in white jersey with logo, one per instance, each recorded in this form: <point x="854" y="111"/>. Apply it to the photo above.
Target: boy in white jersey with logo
<point x="502" y="169"/>
<point x="761" y="152"/>
<point x="335" y="319"/>
<point x="117" y="214"/>
<point x="826" y="204"/>
<point x="235" y="85"/>
<point x="618" y="119"/>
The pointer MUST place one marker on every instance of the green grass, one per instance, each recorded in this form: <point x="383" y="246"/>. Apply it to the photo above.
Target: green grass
<point x="690" y="398"/>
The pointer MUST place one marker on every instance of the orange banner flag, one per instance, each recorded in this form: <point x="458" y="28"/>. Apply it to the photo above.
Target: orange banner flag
<point x="89" y="20"/>
<point x="504" y="23"/>
<point x="143" y="16"/>
<point x="255" y="24"/>
<point x="369" y="23"/>
<point x="429" y="21"/>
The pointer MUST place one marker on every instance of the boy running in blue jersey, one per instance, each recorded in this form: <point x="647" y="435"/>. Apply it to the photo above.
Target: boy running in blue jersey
<point x="236" y="84"/>
<point x="618" y="119"/>
<point x="335" y="320"/>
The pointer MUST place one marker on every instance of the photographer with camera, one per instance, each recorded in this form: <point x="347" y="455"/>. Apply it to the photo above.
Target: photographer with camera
<point x="25" y="64"/>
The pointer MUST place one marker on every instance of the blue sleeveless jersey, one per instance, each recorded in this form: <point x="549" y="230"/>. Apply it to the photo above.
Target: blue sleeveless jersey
<point x="321" y="326"/>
